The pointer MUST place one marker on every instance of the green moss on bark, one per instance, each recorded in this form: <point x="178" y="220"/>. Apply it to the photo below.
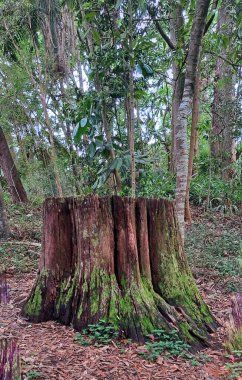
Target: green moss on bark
<point x="33" y="306"/>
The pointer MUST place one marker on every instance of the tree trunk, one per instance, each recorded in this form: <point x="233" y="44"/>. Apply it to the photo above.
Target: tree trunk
<point x="223" y="122"/>
<point x="10" y="367"/>
<point x="176" y="25"/>
<point x="3" y="224"/>
<point x="4" y="289"/>
<point x="119" y="259"/>
<point x="185" y="107"/>
<point x="10" y="171"/>
<point x="129" y="101"/>
<point x="98" y="85"/>
<point x="193" y="140"/>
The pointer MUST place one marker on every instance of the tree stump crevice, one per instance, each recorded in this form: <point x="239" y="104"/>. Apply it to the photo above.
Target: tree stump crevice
<point x="117" y="259"/>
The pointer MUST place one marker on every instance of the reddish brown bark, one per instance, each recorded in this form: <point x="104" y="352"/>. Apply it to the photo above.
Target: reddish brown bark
<point x="117" y="259"/>
<point x="10" y="366"/>
<point x="10" y="171"/>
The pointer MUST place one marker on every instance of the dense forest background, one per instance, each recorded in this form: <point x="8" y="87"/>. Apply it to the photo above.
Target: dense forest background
<point x="129" y="97"/>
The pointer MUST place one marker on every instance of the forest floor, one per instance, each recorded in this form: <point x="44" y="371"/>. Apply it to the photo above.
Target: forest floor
<point x="49" y="350"/>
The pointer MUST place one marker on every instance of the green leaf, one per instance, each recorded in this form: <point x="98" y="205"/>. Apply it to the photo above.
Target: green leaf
<point x="92" y="149"/>
<point x="96" y="36"/>
<point x="116" y="164"/>
<point x="80" y="130"/>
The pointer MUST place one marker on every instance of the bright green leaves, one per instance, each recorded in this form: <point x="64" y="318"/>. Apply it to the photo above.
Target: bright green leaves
<point x="81" y="129"/>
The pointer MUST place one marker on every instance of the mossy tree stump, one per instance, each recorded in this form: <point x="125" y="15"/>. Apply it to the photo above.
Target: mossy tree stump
<point x="121" y="260"/>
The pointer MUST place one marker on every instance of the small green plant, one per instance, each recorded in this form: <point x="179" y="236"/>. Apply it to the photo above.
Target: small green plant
<point x="234" y="342"/>
<point x="234" y="366"/>
<point x="83" y="341"/>
<point x="101" y="333"/>
<point x="165" y="342"/>
<point x="34" y="375"/>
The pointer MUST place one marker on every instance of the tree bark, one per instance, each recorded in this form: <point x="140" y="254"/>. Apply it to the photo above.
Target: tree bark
<point x="10" y="366"/>
<point x="176" y="24"/>
<point x="129" y="101"/>
<point x="3" y="223"/>
<point x="121" y="260"/>
<point x="10" y="171"/>
<point x="185" y="106"/>
<point x="223" y="121"/>
<point x="193" y="141"/>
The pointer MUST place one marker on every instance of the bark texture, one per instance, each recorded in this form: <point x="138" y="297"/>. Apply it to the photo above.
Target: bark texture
<point x="176" y="25"/>
<point x="3" y="224"/>
<point x="121" y="260"/>
<point x="185" y="108"/>
<point x="10" y="367"/>
<point x="223" y="122"/>
<point x="193" y="143"/>
<point x="10" y="171"/>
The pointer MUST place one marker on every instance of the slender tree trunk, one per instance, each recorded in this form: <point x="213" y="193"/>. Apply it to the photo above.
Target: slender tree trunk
<point x="185" y="107"/>
<point x="3" y="223"/>
<point x="10" y="171"/>
<point x="176" y="24"/>
<point x="223" y="122"/>
<point x="98" y="86"/>
<point x="52" y="142"/>
<point x="193" y="139"/>
<point x="129" y="102"/>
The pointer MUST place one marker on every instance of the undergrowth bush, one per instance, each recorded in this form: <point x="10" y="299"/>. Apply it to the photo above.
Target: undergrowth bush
<point x="163" y="342"/>
<point x="101" y="333"/>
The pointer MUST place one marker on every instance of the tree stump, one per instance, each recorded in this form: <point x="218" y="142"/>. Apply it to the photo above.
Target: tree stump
<point x="121" y="260"/>
<point x="10" y="367"/>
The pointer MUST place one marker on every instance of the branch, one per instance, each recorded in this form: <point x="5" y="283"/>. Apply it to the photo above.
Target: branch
<point x="207" y="26"/>
<point x="234" y="65"/>
<point x="160" y="30"/>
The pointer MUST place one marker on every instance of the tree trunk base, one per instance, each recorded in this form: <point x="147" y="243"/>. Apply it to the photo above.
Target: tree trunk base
<point x="120" y="260"/>
<point x="10" y="368"/>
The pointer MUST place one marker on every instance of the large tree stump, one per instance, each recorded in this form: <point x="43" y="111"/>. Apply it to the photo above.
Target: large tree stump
<point x="121" y="260"/>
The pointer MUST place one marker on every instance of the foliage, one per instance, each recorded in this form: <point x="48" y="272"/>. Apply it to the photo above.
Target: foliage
<point x="85" y="89"/>
<point x="163" y="342"/>
<point x="101" y="333"/>
<point x="216" y="246"/>
<point x="19" y="258"/>
<point x="234" y="366"/>
<point x="235" y="341"/>
<point x="34" y="375"/>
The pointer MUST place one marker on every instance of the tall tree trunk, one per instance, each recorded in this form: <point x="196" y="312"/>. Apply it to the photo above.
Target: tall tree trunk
<point x="193" y="140"/>
<point x="121" y="260"/>
<point x="223" y="122"/>
<point x="104" y="107"/>
<point x="130" y="99"/>
<point x="185" y="107"/>
<point x="52" y="143"/>
<point x="10" y="171"/>
<point x="176" y="24"/>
